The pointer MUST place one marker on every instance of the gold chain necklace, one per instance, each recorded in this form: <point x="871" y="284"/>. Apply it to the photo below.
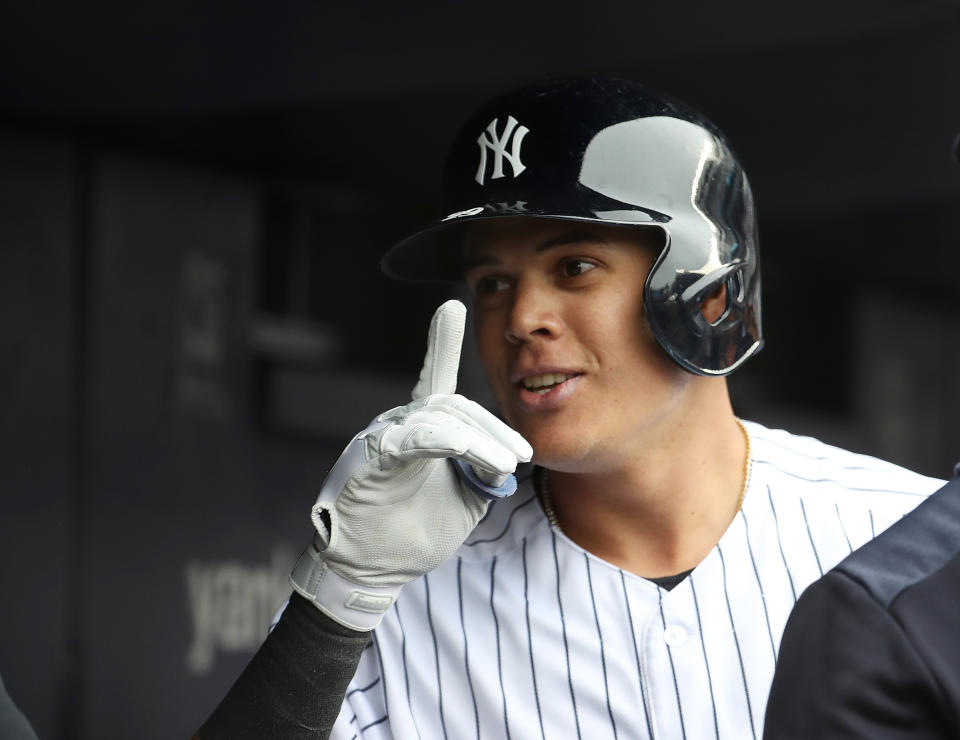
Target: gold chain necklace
<point x="547" y="502"/>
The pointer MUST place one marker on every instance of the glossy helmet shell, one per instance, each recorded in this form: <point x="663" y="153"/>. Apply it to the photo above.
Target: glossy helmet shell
<point x="614" y="152"/>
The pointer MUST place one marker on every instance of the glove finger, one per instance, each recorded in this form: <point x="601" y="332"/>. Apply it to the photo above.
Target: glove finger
<point x="477" y="416"/>
<point x="439" y="371"/>
<point x="484" y="453"/>
<point x="447" y="437"/>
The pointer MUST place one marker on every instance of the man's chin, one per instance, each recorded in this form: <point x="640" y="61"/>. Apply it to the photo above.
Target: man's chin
<point x="567" y="455"/>
<point x="558" y="440"/>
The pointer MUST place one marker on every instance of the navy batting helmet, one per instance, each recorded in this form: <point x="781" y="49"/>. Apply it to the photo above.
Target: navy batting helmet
<point x="614" y="152"/>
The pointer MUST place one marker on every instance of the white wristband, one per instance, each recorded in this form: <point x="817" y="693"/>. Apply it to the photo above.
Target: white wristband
<point x="358" y="607"/>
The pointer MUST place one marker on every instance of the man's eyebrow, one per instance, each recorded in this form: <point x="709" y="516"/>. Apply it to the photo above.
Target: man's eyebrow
<point x="577" y="236"/>
<point x="472" y="259"/>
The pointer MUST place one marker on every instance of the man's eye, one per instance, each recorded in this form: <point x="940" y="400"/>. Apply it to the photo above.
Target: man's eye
<point x="488" y="285"/>
<point x="572" y="268"/>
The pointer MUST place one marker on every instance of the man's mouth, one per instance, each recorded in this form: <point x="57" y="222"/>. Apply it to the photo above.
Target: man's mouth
<point x="544" y="383"/>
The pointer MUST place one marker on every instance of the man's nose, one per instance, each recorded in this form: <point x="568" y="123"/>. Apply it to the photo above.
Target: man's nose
<point x="534" y="313"/>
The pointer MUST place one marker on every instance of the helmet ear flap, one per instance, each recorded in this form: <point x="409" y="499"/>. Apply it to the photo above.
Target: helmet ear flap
<point x="713" y="315"/>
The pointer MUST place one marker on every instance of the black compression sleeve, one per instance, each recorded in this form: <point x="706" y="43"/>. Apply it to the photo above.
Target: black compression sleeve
<point x="293" y="686"/>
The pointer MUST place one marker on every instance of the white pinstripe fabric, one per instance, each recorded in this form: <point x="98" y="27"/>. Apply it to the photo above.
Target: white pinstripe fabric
<point x="522" y="634"/>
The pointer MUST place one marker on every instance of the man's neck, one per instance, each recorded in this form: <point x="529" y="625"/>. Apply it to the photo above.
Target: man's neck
<point x="662" y="510"/>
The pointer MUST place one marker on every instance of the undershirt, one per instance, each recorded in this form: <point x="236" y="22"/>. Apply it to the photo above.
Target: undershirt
<point x="668" y="582"/>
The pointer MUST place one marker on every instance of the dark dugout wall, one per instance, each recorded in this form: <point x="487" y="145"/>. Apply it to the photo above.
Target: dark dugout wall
<point x="171" y="405"/>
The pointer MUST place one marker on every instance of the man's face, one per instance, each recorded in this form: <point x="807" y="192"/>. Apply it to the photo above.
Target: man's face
<point x="560" y="324"/>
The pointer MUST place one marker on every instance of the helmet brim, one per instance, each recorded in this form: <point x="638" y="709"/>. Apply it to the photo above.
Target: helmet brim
<point x="435" y="253"/>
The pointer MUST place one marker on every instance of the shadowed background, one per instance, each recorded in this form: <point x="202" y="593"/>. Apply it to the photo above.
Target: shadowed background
<point x="193" y="201"/>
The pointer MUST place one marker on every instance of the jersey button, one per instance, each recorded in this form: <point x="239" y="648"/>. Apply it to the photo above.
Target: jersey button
<point x="674" y="635"/>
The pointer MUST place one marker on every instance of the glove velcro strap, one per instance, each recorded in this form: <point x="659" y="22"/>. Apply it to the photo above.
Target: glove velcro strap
<point x="473" y="482"/>
<point x="352" y="605"/>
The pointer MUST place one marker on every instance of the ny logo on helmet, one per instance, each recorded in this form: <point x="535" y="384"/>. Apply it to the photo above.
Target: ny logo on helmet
<point x="498" y="145"/>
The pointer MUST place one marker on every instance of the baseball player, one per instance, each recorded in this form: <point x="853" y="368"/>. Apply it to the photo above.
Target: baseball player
<point x="637" y="581"/>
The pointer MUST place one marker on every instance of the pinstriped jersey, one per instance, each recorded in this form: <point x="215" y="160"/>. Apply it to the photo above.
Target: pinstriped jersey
<point x="523" y="634"/>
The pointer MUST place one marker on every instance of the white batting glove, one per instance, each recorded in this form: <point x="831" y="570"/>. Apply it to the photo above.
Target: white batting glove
<point x="407" y="490"/>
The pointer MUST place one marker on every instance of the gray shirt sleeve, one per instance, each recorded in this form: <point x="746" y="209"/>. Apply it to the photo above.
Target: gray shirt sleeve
<point x="13" y="724"/>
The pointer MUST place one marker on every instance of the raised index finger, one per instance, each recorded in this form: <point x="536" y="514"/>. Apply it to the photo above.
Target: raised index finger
<point x="439" y="371"/>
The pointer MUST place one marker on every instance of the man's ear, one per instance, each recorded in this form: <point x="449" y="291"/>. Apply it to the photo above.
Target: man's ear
<point x="715" y="305"/>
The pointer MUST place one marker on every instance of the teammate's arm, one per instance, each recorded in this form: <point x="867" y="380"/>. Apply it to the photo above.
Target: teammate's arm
<point x="402" y="497"/>
<point x="846" y="669"/>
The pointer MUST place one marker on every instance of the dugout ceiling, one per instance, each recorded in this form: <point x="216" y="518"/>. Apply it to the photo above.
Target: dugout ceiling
<point x="178" y="56"/>
<point x="832" y="105"/>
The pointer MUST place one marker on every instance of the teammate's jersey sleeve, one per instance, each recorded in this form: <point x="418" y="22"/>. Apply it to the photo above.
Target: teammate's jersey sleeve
<point x="852" y="671"/>
<point x="873" y="645"/>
